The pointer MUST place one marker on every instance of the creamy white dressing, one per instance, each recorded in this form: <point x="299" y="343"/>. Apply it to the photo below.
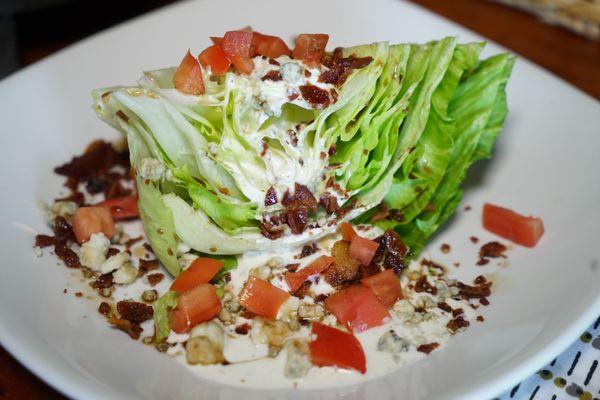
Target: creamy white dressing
<point x="251" y="365"/>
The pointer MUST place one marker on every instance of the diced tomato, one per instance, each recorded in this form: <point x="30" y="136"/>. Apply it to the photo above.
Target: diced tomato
<point x="195" y="306"/>
<point x="357" y="308"/>
<point x="188" y="77"/>
<point x="244" y="65"/>
<point x="202" y="270"/>
<point x="296" y="279"/>
<point x="333" y="347"/>
<point x="385" y="286"/>
<point x="90" y="220"/>
<point x="262" y="298"/>
<point x="515" y="227"/>
<point x="216" y="40"/>
<point x="214" y="57"/>
<point x="310" y="47"/>
<point x="122" y="207"/>
<point x="362" y="249"/>
<point x="237" y="44"/>
<point x="348" y="232"/>
<point x="269" y="46"/>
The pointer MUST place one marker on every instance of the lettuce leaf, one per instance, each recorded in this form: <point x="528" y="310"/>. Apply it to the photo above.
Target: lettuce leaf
<point x="162" y="324"/>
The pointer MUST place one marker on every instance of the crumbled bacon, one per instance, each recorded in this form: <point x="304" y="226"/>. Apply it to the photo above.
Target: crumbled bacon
<point x="492" y="250"/>
<point x="457" y="323"/>
<point x="381" y="213"/>
<point x="474" y="292"/>
<point x="345" y="268"/>
<point x="303" y="290"/>
<point x="272" y="76"/>
<point x="44" y="241"/>
<point x="423" y="285"/>
<point x="428" y="348"/>
<point x="102" y="282"/>
<point x="104" y="308"/>
<point x="242" y="329"/>
<point x="297" y="208"/>
<point x="329" y="203"/>
<point x="134" y="312"/>
<point x="270" y="197"/>
<point x="309" y="249"/>
<point x="315" y="96"/>
<point x="269" y="231"/>
<point x="155" y="279"/>
<point x="133" y="330"/>
<point x="341" y="67"/>
<point x="99" y="156"/>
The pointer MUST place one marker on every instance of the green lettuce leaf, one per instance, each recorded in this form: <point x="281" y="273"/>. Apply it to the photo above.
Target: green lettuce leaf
<point x="162" y="324"/>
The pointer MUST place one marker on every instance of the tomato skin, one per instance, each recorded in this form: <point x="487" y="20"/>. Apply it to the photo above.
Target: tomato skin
<point x="333" y="347"/>
<point x="244" y="65"/>
<point x="269" y="46"/>
<point x="237" y="44"/>
<point x="214" y="57"/>
<point x="510" y="225"/>
<point x="310" y="47"/>
<point x="262" y="298"/>
<point x="188" y="77"/>
<point x="90" y="220"/>
<point x="362" y="249"/>
<point x="202" y="270"/>
<point x="385" y="286"/>
<point x="195" y="306"/>
<point x="122" y="207"/>
<point x="216" y="40"/>
<point x="347" y="232"/>
<point x="357" y="308"/>
<point x="295" y="279"/>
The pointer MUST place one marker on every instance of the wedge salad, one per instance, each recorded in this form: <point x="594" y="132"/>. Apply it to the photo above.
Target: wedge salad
<point x="288" y="193"/>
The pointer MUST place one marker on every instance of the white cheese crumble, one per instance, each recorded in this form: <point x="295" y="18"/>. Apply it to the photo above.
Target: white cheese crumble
<point x="115" y="262"/>
<point x="93" y="252"/>
<point x="151" y="168"/>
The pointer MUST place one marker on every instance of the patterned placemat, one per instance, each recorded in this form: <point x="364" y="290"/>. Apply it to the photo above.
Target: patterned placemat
<point x="580" y="16"/>
<point x="574" y="374"/>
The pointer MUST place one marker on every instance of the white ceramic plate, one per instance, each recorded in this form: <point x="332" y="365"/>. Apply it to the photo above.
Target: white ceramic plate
<point x="546" y="162"/>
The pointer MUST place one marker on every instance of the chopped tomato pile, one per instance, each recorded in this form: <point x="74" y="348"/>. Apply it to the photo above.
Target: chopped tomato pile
<point x="237" y="49"/>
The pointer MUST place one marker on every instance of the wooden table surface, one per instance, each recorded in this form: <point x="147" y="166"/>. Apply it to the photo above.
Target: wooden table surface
<point x="571" y="57"/>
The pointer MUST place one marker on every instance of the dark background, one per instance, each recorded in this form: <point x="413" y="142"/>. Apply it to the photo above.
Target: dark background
<point x="32" y="29"/>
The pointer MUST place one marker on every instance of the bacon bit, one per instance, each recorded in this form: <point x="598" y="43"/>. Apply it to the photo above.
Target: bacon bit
<point x="104" y="308"/>
<point x="480" y="318"/>
<point x="482" y="261"/>
<point x="457" y="311"/>
<point x="44" y="241"/>
<point x="293" y="137"/>
<point x="63" y="231"/>
<point x="245" y="313"/>
<point x="445" y="307"/>
<point x="474" y="239"/>
<point x="112" y="251"/>
<point x="292" y="267"/>
<point x="492" y="250"/>
<point x="422" y="285"/>
<point x="457" y="323"/>
<point x="340" y="68"/>
<point x="307" y="73"/>
<point x="270" y="197"/>
<point x="115" y="190"/>
<point x="78" y="294"/>
<point x="68" y="256"/>
<point x="155" y="279"/>
<point x="369" y="270"/>
<point x="100" y="156"/>
<point x="329" y="203"/>
<point x="147" y="265"/>
<point x="480" y="280"/>
<point x="297" y="207"/>
<point x="321" y="298"/>
<point x="103" y="281"/>
<point x="474" y="292"/>
<point x="317" y="97"/>
<point x="381" y="213"/>
<point x="273" y="61"/>
<point x="484" y="302"/>
<point x="272" y="76"/>
<point x="345" y="269"/>
<point x="242" y="329"/>
<point x="268" y="230"/>
<point x="456" y="264"/>
<point x="265" y="147"/>
<point x="148" y="248"/>
<point x="467" y="208"/>
<point x="132" y="241"/>
<point x="428" y="348"/>
<point x="309" y="249"/>
<point x="76" y="197"/>
<point x="331" y="150"/>
<point x="445" y="248"/>
<point x="303" y="290"/>
<point x="133" y="330"/>
<point x="293" y="96"/>
<point x="334" y="95"/>
<point x="392" y="250"/>
<point x="134" y="312"/>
